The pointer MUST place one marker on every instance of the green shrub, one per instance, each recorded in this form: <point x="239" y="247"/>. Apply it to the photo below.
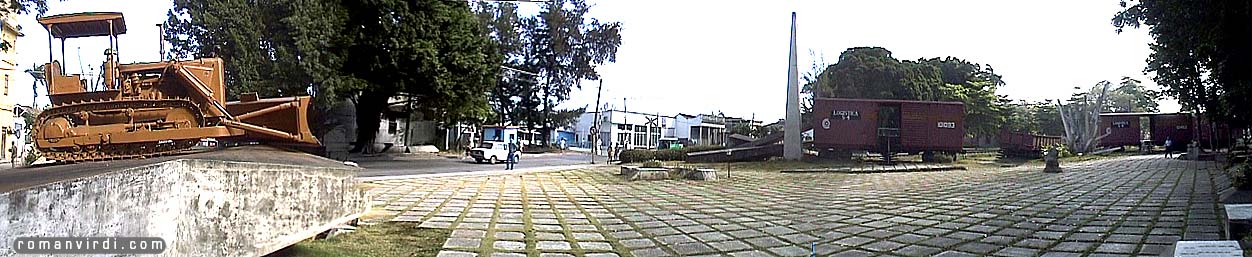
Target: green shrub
<point x="1242" y="176"/>
<point x="629" y="156"/>
<point x="1062" y="151"/>
<point x="652" y="164"/>
<point x="32" y="155"/>
<point x="671" y="155"/>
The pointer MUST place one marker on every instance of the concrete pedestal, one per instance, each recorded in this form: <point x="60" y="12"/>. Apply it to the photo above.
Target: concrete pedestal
<point x="200" y="207"/>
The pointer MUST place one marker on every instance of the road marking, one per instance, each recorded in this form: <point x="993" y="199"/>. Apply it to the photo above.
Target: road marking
<point x="479" y="173"/>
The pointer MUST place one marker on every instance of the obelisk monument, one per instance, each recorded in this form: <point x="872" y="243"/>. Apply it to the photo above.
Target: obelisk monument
<point x="792" y="138"/>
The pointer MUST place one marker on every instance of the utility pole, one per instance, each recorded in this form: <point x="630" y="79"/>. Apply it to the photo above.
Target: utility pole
<point x="595" y="125"/>
<point x="161" y="40"/>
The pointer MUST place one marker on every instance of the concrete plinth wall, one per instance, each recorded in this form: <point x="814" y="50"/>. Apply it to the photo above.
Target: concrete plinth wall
<point x="200" y="207"/>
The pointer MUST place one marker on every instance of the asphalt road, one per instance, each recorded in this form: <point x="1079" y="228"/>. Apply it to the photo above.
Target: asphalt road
<point x="406" y="166"/>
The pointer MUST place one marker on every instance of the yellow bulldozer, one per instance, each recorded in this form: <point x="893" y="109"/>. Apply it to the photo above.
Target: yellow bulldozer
<point x="147" y="109"/>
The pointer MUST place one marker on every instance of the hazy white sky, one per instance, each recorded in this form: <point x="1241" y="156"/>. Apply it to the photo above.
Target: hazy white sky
<point x="705" y="56"/>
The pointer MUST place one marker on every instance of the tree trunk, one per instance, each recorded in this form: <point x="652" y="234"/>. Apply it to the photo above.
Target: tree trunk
<point x="369" y="109"/>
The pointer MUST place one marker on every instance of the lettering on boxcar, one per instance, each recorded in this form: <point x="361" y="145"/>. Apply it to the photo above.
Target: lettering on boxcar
<point x="947" y="124"/>
<point x="846" y="115"/>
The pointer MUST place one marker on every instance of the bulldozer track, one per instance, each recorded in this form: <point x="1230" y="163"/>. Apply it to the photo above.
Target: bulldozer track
<point x="97" y="152"/>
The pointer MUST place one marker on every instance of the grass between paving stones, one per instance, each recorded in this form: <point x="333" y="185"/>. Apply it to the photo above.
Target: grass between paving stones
<point x="384" y="239"/>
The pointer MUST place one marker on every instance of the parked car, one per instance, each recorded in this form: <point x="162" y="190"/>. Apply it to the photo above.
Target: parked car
<point x="493" y="152"/>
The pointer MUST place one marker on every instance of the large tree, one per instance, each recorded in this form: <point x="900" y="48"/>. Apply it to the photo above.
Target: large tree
<point x="871" y="72"/>
<point x="368" y="51"/>
<point x="1131" y="96"/>
<point x="1200" y="52"/>
<point x="560" y="45"/>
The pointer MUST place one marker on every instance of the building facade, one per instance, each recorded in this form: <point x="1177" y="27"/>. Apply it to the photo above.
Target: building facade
<point x="9" y="140"/>
<point x="634" y="130"/>
<point x="701" y="129"/>
<point x="623" y="129"/>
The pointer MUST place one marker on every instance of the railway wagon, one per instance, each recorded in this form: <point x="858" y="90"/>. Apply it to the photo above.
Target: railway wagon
<point x="1125" y="129"/>
<point x="1122" y="129"/>
<point x="842" y="126"/>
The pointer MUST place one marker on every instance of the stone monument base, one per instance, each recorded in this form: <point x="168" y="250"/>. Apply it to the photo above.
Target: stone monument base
<point x="213" y="204"/>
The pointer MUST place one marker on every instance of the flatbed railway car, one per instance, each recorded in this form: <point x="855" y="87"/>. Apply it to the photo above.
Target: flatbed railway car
<point x="1025" y="144"/>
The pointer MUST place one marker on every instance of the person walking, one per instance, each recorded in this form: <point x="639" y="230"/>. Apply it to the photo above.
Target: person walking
<point x="1169" y="147"/>
<point x="512" y="159"/>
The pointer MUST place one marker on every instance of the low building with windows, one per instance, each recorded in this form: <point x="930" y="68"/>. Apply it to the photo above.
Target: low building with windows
<point x="701" y="129"/>
<point x="635" y="130"/>
<point x="624" y="129"/>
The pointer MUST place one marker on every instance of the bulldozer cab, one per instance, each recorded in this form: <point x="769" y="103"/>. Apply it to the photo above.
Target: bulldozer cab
<point x="79" y="25"/>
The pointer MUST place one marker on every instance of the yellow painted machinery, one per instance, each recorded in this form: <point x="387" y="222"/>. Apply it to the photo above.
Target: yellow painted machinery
<point x="146" y="109"/>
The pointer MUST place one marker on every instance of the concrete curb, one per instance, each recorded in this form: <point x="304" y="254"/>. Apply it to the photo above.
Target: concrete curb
<point x="480" y="173"/>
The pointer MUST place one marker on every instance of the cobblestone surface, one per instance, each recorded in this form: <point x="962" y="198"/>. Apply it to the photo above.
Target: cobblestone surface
<point x="1127" y="206"/>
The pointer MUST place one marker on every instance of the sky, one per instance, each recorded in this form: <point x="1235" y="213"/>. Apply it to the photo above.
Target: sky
<point x="730" y="56"/>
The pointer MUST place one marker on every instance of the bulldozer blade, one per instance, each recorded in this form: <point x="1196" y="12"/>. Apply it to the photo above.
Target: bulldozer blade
<point x="273" y="119"/>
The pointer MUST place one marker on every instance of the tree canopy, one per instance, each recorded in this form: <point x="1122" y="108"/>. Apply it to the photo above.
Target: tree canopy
<point x="549" y="55"/>
<point x="1131" y="96"/>
<point x="1200" y="52"/>
<point x="871" y="72"/>
<point x="371" y="50"/>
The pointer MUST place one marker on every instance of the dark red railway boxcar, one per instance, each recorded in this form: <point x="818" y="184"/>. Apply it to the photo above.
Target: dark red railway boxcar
<point x="888" y="125"/>
<point x="1123" y="129"/>
<point x="1175" y="126"/>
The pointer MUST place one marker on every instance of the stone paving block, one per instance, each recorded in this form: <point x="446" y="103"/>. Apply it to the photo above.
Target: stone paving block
<point x="509" y="245"/>
<point x="853" y="253"/>
<point x="455" y="254"/>
<point x="917" y="250"/>
<point x="791" y="251"/>
<point x="951" y="253"/>
<point x="649" y="252"/>
<point x="468" y="233"/>
<point x="1072" y="247"/>
<point x="882" y="246"/>
<point x="729" y="246"/>
<point x="688" y="249"/>
<point x="675" y="239"/>
<point x="500" y="254"/>
<point x="552" y="246"/>
<point x="462" y="243"/>
<point x="979" y="248"/>
<point x="595" y="246"/>
<point x="625" y="234"/>
<point x="509" y="235"/>
<point x="752" y="253"/>
<point x="765" y="242"/>
<point x="711" y="237"/>
<point x="588" y="236"/>
<point x="941" y="242"/>
<point x="1116" y="248"/>
<point x="549" y="236"/>
<point x="637" y="243"/>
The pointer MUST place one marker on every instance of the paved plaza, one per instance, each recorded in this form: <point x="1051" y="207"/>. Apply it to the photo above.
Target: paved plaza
<point x="1125" y="206"/>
